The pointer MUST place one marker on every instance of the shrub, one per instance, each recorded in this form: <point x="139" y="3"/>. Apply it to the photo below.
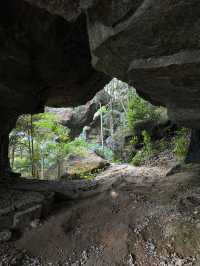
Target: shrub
<point x="146" y="152"/>
<point x="180" y="143"/>
<point x="138" y="158"/>
<point x="105" y="152"/>
<point x="139" y="109"/>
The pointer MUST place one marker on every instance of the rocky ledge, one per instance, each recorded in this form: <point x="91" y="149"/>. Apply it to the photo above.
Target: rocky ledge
<point x="19" y="208"/>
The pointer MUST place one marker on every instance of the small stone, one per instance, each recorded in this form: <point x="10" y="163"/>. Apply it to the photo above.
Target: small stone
<point x="179" y="262"/>
<point x="35" y="223"/>
<point x="5" y="235"/>
<point x="198" y="225"/>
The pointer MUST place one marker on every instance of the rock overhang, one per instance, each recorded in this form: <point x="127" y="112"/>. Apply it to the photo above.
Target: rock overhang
<point x="61" y="52"/>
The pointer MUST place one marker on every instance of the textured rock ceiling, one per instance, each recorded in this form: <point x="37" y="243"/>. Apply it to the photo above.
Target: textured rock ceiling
<point x="152" y="44"/>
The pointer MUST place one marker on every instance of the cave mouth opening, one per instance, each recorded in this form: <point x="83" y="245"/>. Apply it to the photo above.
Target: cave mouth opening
<point x="40" y="144"/>
<point x="117" y="125"/>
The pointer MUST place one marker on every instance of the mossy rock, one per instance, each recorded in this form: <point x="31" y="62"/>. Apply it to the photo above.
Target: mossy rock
<point x="80" y="165"/>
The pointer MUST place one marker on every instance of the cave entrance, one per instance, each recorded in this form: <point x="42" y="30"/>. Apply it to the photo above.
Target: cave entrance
<point x="48" y="145"/>
<point x="117" y="125"/>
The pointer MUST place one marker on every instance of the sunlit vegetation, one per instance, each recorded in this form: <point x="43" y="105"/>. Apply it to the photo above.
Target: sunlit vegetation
<point x="40" y="141"/>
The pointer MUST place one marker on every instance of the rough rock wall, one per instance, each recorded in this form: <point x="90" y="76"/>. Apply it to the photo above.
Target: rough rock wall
<point x="152" y="44"/>
<point x="43" y="59"/>
<point x="46" y="50"/>
<point x="78" y="117"/>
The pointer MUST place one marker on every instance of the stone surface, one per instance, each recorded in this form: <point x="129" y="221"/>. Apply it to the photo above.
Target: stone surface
<point x="193" y="154"/>
<point x="18" y="208"/>
<point x="23" y="218"/>
<point x="78" y="117"/>
<point x="152" y="44"/>
<point x="77" y="165"/>
<point x="120" y="144"/>
<point x="5" y="235"/>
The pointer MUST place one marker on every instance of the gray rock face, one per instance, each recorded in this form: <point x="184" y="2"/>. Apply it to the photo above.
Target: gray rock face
<point x="49" y="65"/>
<point x="78" y="117"/>
<point x="152" y="44"/>
<point x="5" y="235"/>
<point x="19" y="208"/>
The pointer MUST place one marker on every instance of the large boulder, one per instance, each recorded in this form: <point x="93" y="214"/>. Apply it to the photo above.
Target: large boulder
<point x="120" y="144"/>
<point x="76" y="166"/>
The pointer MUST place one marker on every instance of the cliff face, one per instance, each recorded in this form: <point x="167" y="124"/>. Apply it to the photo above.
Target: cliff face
<point x="47" y="47"/>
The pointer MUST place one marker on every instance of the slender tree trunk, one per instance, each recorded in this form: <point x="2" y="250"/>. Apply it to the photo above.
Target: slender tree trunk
<point x="101" y="125"/>
<point x="111" y="119"/>
<point x="21" y="152"/>
<point x="29" y="150"/>
<point x="32" y="147"/>
<point x="42" y="167"/>
<point x="59" y="170"/>
<point x="13" y="156"/>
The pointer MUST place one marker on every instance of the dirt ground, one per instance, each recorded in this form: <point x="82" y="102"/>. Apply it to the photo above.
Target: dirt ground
<point x="154" y="220"/>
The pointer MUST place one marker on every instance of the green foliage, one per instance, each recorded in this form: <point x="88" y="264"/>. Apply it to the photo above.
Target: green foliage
<point x="146" y="152"/>
<point x="180" y="143"/>
<point x="163" y="145"/>
<point x="91" y="175"/>
<point x="77" y="146"/>
<point x="105" y="152"/>
<point x="138" y="158"/>
<point x="134" y="140"/>
<point x="139" y="109"/>
<point x="38" y="141"/>
<point x="148" y="146"/>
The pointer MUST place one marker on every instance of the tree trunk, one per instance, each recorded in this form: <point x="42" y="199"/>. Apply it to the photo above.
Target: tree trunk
<point x="111" y="119"/>
<point x="32" y="148"/>
<point x="31" y="145"/>
<point x="59" y="170"/>
<point x="101" y="125"/>
<point x="42" y="167"/>
<point x="13" y="156"/>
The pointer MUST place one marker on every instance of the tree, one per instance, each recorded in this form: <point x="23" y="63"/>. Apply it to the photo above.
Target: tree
<point x="36" y="141"/>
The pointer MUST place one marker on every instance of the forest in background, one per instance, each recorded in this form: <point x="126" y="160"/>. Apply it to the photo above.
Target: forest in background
<point x="40" y="141"/>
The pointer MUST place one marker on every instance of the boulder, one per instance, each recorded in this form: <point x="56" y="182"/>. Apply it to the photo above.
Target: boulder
<point x="78" y="117"/>
<point x="120" y="144"/>
<point x="78" y="165"/>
